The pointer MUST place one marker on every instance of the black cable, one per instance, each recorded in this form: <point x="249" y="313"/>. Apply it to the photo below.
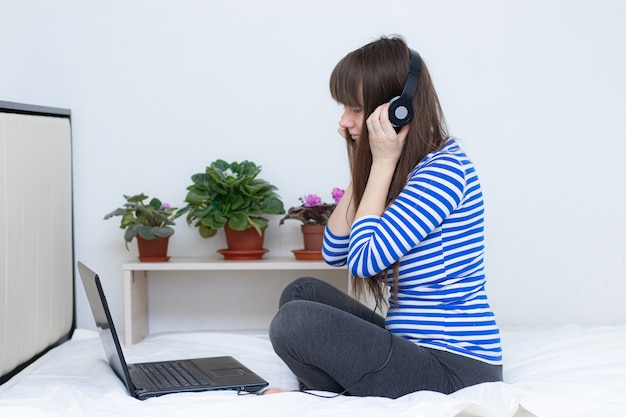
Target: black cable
<point x="377" y="296"/>
<point x="380" y="368"/>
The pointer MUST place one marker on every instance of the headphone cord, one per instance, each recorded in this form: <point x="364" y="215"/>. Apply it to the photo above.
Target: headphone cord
<point x="380" y="368"/>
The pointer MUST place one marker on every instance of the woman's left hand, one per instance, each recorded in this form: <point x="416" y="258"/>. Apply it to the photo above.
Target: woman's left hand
<point x="386" y="145"/>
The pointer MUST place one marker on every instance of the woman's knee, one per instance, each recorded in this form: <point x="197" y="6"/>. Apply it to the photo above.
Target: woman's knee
<point x="288" y="323"/>
<point x="297" y="290"/>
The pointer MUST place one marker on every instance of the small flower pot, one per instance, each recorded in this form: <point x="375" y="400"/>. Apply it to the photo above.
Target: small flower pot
<point x="153" y="250"/>
<point x="243" y="245"/>
<point x="313" y="236"/>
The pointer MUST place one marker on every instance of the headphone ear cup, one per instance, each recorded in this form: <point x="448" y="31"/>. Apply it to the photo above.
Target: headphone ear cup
<point x="400" y="111"/>
<point x="401" y="107"/>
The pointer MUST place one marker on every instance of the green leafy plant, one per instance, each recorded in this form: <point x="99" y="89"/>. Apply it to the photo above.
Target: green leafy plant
<point x="150" y="221"/>
<point x="313" y="211"/>
<point x="230" y="193"/>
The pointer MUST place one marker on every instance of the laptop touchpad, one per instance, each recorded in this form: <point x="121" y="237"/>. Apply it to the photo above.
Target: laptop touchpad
<point x="227" y="372"/>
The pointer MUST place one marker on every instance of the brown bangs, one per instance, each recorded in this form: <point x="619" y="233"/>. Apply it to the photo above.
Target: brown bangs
<point x="346" y="80"/>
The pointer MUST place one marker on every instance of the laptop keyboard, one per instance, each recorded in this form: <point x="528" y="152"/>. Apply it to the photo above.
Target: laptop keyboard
<point x="173" y="374"/>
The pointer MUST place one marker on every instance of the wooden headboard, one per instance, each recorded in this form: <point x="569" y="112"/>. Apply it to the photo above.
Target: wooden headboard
<point x="36" y="233"/>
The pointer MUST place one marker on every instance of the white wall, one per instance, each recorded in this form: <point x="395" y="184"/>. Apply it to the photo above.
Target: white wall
<point x="158" y="89"/>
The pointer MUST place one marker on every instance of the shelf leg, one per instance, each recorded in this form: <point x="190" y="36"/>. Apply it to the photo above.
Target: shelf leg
<point x="136" y="306"/>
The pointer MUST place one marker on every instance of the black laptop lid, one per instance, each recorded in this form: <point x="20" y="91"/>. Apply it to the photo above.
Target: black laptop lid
<point x="104" y="322"/>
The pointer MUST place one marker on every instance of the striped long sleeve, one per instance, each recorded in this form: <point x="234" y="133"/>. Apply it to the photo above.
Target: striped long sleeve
<point x="435" y="230"/>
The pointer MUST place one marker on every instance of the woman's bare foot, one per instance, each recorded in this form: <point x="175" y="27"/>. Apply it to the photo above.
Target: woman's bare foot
<point x="273" y="391"/>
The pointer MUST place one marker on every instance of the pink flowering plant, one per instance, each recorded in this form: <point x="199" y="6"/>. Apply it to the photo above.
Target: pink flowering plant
<point x="313" y="211"/>
<point x="150" y="221"/>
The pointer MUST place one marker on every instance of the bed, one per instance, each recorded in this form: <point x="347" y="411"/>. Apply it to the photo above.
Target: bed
<point x="566" y="371"/>
<point x="49" y="368"/>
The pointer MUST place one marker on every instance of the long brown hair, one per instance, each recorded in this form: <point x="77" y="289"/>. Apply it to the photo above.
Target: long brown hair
<point x="371" y="76"/>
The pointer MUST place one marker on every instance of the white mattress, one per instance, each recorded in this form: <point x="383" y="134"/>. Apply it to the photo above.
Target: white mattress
<point x="569" y="371"/>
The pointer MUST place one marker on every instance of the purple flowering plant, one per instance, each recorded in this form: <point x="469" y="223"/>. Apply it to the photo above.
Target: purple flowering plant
<point x="313" y="211"/>
<point x="150" y="221"/>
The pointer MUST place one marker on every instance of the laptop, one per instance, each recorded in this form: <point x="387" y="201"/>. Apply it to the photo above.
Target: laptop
<point x="145" y="380"/>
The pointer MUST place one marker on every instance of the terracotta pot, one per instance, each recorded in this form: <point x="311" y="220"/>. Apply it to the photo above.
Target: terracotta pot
<point x="313" y="236"/>
<point x="153" y="250"/>
<point x="244" y="240"/>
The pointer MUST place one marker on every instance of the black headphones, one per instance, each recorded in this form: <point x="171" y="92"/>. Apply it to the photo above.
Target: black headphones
<point x="401" y="107"/>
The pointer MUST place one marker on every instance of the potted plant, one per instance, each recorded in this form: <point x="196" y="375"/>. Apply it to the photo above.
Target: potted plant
<point x="151" y="223"/>
<point x="231" y="196"/>
<point x="313" y="213"/>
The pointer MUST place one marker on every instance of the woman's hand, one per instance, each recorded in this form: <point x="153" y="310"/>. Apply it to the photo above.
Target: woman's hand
<point x="343" y="132"/>
<point x="386" y="145"/>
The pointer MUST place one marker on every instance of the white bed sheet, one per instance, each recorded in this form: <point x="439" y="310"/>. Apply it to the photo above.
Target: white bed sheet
<point x="569" y="371"/>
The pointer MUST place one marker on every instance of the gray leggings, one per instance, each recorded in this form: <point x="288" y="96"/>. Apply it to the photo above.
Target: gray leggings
<point x="333" y="343"/>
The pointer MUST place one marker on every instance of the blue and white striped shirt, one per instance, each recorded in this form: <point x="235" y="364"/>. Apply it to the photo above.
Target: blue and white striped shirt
<point x="435" y="228"/>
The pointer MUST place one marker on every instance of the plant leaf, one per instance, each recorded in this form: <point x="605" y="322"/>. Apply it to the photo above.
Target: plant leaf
<point x="155" y="203"/>
<point x="238" y="222"/>
<point x="116" y="212"/>
<point x="273" y="205"/>
<point x="201" y="180"/>
<point x="136" y="198"/>
<point x="206" y="232"/>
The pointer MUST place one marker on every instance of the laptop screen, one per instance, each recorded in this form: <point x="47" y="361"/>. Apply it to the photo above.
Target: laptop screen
<point x="104" y="322"/>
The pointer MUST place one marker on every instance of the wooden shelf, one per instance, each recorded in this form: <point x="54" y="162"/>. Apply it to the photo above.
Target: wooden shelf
<point x="136" y="317"/>
<point x="219" y="264"/>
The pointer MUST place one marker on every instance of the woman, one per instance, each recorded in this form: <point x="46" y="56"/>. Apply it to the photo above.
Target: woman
<point x="411" y="219"/>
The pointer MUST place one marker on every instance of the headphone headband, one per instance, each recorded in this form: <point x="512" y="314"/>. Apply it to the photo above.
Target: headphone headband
<point x="412" y="78"/>
<point x="401" y="107"/>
